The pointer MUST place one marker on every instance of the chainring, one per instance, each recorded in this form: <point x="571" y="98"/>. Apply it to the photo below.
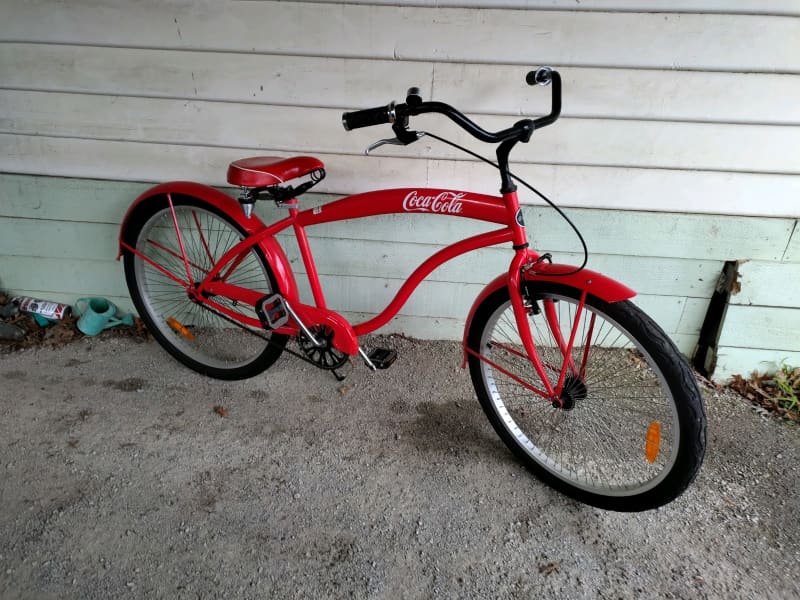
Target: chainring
<point x="325" y="356"/>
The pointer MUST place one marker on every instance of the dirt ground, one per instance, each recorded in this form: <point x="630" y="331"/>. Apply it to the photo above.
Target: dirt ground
<point x="118" y="479"/>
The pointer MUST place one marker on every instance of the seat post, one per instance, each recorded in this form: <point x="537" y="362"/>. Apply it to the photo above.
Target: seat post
<point x="247" y="201"/>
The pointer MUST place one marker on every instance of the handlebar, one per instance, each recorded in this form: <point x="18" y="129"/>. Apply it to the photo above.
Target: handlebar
<point x="398" y="114"/>
<point x="545" y="76"/>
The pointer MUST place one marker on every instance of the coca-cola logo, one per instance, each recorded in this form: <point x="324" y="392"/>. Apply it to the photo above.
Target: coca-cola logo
<point x="444" y="203"/>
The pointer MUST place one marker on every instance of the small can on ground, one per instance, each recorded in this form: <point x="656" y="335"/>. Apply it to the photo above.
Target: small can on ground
<point x="44" y="308"/>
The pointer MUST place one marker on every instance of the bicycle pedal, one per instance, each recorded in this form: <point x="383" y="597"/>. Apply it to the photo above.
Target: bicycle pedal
<point x="272" y="311"/>
<point x="382" y="358"/>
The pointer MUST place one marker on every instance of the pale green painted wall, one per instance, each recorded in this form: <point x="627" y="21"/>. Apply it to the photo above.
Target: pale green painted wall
<point x="58" y="240"/>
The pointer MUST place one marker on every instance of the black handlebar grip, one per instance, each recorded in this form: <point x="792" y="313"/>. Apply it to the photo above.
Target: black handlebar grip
<point x="368" y="117"/>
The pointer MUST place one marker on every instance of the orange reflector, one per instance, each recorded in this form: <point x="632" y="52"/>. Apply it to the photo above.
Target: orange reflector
<point x="652" y="442"/>
<point x="179" y="328"/>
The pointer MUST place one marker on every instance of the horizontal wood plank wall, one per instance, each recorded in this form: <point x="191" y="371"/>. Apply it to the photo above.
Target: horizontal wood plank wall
<point x="773" y="7"/>
<point x="762" y="326"/>
<point x="667" y="116"/>
<point x="673" y="284"/>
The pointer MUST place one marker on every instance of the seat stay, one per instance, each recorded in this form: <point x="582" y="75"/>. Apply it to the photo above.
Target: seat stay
<point x="236" y="254"/>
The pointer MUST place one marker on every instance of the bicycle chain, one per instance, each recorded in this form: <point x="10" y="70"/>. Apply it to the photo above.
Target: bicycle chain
<point x="263" y="337"/>
<point x="271" y="343"/>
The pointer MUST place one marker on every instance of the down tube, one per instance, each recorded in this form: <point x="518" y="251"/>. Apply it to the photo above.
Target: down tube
<point x="483" y="240"/>
<point x="421" y="201"/>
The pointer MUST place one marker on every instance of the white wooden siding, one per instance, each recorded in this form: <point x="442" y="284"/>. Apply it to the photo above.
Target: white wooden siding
<point x="645" y="94"/>
<point x="487" y="35"/>
<point x="763" y="7"/>
<point x="614" y="143"/>
<point x="679" y="113"/>
<point x="692" y="92"/>
<point x="588" y="186"/>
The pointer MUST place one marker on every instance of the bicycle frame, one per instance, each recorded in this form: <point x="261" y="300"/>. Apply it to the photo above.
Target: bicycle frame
<point x="196" y="269"/>
<point x="504" y="210"/>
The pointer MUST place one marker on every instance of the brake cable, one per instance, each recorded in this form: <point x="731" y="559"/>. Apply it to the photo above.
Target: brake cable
<point x="535" y="191"/>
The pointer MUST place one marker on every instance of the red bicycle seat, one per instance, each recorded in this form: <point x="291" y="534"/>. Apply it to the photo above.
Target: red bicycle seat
<point x="262" y="171"/>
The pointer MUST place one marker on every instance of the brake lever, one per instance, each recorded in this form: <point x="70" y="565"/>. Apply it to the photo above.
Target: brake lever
<point x="392" y="142"/>
<point x="379" y="143"/>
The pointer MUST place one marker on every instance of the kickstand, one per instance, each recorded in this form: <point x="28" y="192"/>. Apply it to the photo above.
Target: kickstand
<point x="347" y="367"/>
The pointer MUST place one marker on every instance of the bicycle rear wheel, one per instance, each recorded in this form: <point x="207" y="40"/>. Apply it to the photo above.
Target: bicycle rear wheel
<point x="195" y="334"/>
<point x="629" y="433"/>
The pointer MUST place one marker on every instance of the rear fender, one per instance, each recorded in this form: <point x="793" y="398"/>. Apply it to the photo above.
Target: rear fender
<point x="272" y="250"/>
<point x="594" y="283"/>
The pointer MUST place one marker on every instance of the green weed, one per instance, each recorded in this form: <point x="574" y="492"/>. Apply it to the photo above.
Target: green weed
<point x="787" y="379"/>
<point x="777" y="391"/>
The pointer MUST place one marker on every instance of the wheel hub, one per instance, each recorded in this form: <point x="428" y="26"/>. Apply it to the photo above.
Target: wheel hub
<point x="574" y="391"/>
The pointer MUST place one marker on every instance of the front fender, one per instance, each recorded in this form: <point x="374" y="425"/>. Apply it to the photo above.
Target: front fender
<point x="272" y="250"/>
<point x="594" y="283"/>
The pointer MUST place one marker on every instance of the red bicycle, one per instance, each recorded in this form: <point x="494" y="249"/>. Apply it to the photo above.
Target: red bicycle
<point x="583" y="387"/>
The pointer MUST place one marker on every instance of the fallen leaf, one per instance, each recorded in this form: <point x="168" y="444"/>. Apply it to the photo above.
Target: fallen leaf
<point x="549" y="568"/>
<point x="221" y="411"/>
<point x="763" y="391"/>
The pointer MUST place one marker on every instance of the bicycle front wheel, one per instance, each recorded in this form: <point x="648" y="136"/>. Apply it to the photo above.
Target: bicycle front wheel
<point x="628" y="431"/>
<point x="198" y="336"/>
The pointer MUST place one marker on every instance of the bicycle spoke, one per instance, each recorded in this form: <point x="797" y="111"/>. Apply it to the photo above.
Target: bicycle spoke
<point x="595" y="440"/>
<point x="206" y="238"/>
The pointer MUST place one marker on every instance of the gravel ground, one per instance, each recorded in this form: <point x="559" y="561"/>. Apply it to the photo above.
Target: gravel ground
<point x="119" y="480"/>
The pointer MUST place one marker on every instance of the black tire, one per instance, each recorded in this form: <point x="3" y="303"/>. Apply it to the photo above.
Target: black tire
<point x="209" y="344"/>
<point x="636" y="386"/>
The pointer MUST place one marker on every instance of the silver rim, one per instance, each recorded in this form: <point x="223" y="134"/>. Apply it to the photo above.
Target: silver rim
<point x="599" y="444"/>
<point x="213" y="341"/>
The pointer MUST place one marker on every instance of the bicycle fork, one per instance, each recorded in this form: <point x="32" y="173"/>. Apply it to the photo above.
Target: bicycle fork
<point x="521" y="316"/>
